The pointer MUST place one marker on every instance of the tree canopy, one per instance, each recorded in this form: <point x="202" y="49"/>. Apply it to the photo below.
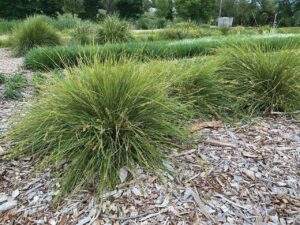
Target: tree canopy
<point x="245" y="12"/>
<point x="202" y="10"/>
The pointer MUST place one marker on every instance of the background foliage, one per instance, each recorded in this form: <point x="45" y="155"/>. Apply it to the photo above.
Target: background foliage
<point x="246" y="13"/>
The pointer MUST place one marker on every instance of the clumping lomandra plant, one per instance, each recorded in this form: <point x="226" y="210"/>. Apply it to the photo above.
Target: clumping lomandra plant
<point x="198" y="85"/>
<point x="100" y="118"/>
<point x="262" y="81"/>
<point x="34" y="32"/>
<point x="113" y="30"/>
<point x="14" y="86"/>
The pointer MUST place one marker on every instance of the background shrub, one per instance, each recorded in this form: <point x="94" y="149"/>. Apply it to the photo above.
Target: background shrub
<point x="34" y="32"/>
<point x="63" y="21"/>
<point x="147" y="23"/>
<point x="181" y="31"/>
<point x="263" y="82"/>
<point x="117" y="115"/>
<point x="113" y="30"/>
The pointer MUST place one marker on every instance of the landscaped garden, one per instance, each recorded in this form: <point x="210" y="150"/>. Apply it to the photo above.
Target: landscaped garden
<point x="113" y="121"/>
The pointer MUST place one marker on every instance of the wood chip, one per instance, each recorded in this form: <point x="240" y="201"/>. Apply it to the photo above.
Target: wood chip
<point x="220" y="143"/>
<point x="209" y="124"/>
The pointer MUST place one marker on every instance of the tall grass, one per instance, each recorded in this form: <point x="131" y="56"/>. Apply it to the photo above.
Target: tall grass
<point x="14" y="86"/>
<point x="2" y="78"/>
<point x="99" y="119"/>
<point x="262" y="82"/>
<point x="7" y="26"/>
<point x="113" y="30"/>
<point x="181" y="31"/>
<point x="34" y="32"/>
<point x="198" y="85"/>
<point x="69" y="55"/>
<point x="84" y="34"/>
<point x="64" y="21"/>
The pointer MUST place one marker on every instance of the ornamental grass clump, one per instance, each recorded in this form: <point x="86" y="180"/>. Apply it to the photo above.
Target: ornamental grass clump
<point x="113" y="30"/>
<point x="101" y="118"/>
<point x="262" y="82"/>
<point x="34" y="32"/>
<point x="198" y="85"/>
<point x="14" y="86"/>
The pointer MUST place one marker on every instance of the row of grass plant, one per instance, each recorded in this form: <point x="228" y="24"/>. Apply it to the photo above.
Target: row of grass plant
<point x="62" y="56"/>
<point x="102" y="118"/>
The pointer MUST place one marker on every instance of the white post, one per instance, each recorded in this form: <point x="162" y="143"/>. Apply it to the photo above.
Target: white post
<point x="220" y="10"/>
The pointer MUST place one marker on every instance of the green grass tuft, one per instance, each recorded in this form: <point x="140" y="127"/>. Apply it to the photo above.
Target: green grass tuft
<point x="101" y="118"/>
<point x="224" y="30"/>
<point x="198" y="85"/>
<point x="7" y="26"/>
<point x="2" y="78"/>
<point x="263" y="82"/>
<point x="113" y="30"/>
<point x="34" y="32"/>
<point x="14" y="86"/>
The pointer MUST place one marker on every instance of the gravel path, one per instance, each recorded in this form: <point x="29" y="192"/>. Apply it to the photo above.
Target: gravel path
<point x="245" y="173"/>
<point x="9" y="64"/>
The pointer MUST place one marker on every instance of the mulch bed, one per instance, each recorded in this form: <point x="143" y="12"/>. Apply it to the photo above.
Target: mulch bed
<point x="243" y="173"/>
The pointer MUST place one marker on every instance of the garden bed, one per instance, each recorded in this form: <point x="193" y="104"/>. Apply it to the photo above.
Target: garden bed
<point x="243" y="173"/>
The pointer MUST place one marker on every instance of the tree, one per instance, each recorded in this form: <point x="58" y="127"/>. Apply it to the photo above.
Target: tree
<point x="147" y="4"/>
<point x="228" y="8"/>
<point x="285" y="12"/>
<point x="73" y="6"/>
<point x="8" y="9"/>
<point x="266" y="12"/>
<point x="129" y="8"/>
<point x="249" y="13"/>
<point x="162" y="8"/>
<point x="90" y="9"/>
<point x="18" y="9"/>
<point x="50" y="7"/>
<point x="109" y="6"/>
<point x="202" y="10"/>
